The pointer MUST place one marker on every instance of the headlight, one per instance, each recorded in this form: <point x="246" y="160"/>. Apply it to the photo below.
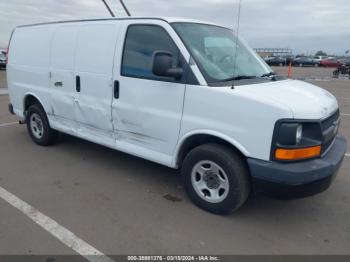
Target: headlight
<point x="296" y="140"/>
<point x="289" y="134"/>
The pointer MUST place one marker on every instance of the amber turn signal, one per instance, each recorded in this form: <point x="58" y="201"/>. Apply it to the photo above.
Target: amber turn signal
<point x="297" y="154"/>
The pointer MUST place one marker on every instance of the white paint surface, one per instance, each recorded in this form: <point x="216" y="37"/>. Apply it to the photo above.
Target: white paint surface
<point x="61" y="233"/>
<point x="151" y="118"/>
<point x="348" y="155"/>
<point x="345" y="114"/>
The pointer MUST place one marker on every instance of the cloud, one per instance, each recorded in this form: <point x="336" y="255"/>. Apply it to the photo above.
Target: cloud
<point x="305" y="26"/>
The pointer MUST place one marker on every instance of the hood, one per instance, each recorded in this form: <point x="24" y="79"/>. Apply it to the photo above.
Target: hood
<point x="304" y="100"/>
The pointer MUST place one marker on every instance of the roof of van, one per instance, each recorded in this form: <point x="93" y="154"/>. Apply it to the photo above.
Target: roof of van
<point x="166" y="19"/>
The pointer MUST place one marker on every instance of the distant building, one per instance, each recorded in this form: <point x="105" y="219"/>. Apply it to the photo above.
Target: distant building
<point x="266" y="52"/>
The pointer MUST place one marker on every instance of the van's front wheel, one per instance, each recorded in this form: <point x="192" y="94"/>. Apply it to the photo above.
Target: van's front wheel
<point x="216" y="178"/>
<point x="38" y="126"/>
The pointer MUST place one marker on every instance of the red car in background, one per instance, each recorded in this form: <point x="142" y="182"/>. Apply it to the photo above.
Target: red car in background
<point x="331" y="63"/>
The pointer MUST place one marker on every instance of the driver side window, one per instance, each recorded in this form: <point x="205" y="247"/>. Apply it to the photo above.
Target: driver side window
<point x="140" y="45"/>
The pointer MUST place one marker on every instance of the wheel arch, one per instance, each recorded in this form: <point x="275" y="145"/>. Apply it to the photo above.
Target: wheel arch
<point x="200" y="137"/>
<point x="31" y="99"/>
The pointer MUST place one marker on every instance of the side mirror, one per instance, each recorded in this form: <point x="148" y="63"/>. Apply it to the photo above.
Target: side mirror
<point x="163" y="65"/>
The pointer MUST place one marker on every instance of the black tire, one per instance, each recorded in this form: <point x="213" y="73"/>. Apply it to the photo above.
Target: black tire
<point x="48" y="135"/>
<point x="236" y="171"/>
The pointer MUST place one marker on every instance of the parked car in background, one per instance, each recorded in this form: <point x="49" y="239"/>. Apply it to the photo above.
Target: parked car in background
<point x="331" y="63"/>
<point x="275" y="61"/>
<point x="319" y="58"/>
<point x="2" y="59"/>
<point x="345" y="61"/>
<point x="304" y="61"/>
<point x="289" y="59"/>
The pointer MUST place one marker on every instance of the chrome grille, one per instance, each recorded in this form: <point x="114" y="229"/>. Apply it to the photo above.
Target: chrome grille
<point x="329" y="129"/>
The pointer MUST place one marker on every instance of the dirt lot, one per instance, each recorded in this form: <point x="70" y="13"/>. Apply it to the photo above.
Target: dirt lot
<point x="115" y="202"/>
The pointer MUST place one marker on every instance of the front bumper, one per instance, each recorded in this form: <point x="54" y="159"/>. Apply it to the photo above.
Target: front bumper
<point x="298" y="179"/>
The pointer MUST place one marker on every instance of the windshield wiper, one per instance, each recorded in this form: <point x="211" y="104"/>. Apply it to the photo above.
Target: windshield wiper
<point x="239" y="77"/>
<point x="269" y="74"/>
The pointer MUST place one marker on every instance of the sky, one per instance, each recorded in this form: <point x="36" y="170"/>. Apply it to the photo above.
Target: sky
<point x="302" y="25"/>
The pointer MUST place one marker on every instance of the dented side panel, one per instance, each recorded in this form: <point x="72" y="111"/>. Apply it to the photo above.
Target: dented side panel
<point x="61" y="74"/>
<point x="94" y="66"/>
<point x="147" y="114"/>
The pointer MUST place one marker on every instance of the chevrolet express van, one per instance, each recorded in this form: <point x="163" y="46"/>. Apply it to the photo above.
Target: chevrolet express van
<point x="185" y="94"/>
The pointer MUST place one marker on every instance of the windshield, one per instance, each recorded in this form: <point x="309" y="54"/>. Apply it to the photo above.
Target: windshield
<point x="214" y="50"/>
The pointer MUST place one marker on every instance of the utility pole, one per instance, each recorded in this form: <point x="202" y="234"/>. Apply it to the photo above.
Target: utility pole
<point x="108" y="8"/>
<point x="125" y="8"/>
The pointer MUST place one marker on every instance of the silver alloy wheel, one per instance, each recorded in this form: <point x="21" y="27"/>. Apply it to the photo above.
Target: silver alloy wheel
<point x="210" y="181"/>
<point x="36" y="125"/>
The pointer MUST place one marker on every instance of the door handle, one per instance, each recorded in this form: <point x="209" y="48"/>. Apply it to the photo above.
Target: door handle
<point x="77" y="83"/>
<point x="58" y="84"/>
<point x="116" y="89"/>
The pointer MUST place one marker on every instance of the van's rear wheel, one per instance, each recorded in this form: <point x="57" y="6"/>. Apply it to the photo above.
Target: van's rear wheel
<point x="216" y="178"/>
<point x="38" y="126"/>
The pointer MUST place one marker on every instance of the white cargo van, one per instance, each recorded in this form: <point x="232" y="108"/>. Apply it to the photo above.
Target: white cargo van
<point x="182" y="93"/>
